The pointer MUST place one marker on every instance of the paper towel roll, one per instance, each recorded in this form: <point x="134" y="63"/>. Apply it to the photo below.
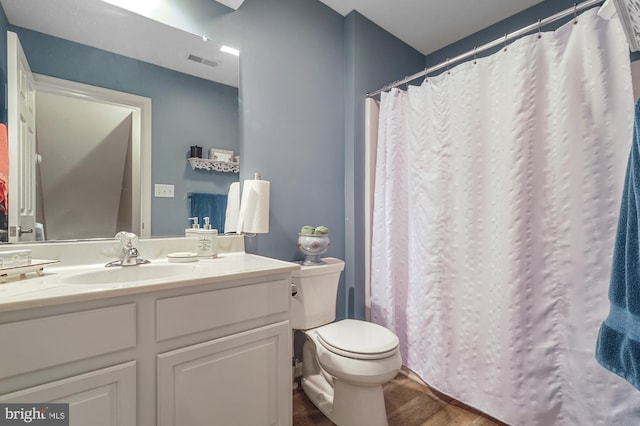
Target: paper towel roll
<point x="254" y="207"/>
<point x="233" y="208"/>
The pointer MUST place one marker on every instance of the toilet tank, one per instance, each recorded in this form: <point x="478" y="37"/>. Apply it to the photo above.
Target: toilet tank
<point x="315" y="302"/>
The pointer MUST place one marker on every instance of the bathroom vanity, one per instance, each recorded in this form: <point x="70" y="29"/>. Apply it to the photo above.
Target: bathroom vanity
<point x="209" y="343"/>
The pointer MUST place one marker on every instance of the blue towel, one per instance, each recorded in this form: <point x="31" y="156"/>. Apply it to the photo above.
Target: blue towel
<point x="213" y="206"/>
<point x="618" y="346"/>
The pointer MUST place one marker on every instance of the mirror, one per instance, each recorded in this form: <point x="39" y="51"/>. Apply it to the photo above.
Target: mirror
<point x="183" y="91"/>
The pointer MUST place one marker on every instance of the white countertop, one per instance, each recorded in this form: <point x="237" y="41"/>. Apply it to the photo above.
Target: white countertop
<point x="50" y="289"/>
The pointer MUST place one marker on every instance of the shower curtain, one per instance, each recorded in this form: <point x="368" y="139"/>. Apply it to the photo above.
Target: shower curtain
<point x="497" y="190"/>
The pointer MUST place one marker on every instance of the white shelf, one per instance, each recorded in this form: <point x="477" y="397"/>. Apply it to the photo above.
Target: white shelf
<point x="219" y="166"/>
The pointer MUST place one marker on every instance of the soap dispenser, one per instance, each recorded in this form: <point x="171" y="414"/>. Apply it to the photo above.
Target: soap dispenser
<point x="207" y="240"/>
<point x="193" y="231"/>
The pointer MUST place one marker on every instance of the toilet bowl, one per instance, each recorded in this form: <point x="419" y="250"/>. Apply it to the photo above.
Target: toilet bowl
<point x="344" y="363"/>
<point x="345" y="381"/>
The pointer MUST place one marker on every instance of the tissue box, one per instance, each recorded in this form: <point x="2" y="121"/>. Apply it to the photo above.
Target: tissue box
<point x="13" y="258"/>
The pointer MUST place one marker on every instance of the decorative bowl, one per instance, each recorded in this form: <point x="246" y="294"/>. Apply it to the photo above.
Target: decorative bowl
<point x="313" y="246"/>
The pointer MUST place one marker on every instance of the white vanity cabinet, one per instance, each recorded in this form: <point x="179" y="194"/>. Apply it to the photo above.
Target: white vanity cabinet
<point x="203" y="352"/>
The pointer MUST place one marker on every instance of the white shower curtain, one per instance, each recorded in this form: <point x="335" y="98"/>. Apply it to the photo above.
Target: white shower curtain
<point x="497" y="192"/>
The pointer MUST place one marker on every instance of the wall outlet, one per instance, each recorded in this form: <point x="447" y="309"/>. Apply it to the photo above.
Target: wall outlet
<point x="166" y="191"/>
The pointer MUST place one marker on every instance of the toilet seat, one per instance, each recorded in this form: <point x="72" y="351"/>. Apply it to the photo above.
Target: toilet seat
<point x="358" y="339"/>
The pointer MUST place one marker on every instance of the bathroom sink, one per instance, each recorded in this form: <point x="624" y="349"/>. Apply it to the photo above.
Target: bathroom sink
<point x="119" y="274"/>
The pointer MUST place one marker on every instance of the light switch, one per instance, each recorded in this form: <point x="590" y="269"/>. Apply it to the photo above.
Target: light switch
<point x="162" y="190"/>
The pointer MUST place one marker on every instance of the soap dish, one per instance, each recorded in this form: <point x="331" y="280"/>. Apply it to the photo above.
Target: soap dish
<point x="34" y="265"/>
<point x="15" y="258"/>
<point x="182" y="257"/>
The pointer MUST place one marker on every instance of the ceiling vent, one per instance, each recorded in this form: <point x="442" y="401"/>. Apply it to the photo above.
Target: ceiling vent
<point x="202" y="61"/>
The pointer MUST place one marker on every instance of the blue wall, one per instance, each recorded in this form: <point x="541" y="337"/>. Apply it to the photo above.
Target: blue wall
<point x="292" y="97"/>
<point x="186" y="111"/>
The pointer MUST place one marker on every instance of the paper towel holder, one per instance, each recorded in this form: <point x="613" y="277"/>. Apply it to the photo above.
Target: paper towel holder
<point x="256" y="177"/>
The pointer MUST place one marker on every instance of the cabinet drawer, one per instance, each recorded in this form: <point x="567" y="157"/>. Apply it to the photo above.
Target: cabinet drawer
<point x="45" y="342"/>
<point x="178" y="316"/>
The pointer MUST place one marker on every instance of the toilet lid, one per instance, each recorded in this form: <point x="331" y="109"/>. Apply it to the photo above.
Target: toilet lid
<point x="358" y="339"/>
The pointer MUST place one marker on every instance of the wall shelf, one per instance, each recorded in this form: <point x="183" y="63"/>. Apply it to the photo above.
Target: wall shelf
<point x="219" y="166"/>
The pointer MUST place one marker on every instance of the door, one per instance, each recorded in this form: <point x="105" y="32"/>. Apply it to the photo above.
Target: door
<point x="239" y="380"/>
<point x="21" y="117"/>
<point x="105" y="397"/>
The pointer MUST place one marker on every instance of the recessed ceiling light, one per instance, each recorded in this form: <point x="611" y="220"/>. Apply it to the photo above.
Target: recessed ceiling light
<point x="233" y="4"/>
<point x="230" y="50"/>
<point x="141" y="7"/>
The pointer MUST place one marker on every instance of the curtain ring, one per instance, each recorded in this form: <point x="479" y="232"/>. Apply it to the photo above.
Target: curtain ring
<point x="539" y="28"/>
<point x="505" y="42"/>
<point x="575" y="13"/>
<point x="475" y="54"/>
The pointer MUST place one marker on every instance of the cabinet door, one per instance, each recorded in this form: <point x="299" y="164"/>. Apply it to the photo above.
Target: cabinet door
<point x="102" y="397"/>
<point x="243" y="379"/>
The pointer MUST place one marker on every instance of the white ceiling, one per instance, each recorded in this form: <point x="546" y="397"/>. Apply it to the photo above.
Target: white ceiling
<point x="428" y="25"/>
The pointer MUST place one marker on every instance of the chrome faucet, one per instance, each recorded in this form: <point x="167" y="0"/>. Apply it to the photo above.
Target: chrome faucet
<point x="129" y="253"/>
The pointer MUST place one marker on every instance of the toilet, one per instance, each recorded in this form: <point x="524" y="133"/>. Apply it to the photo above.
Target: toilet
<point x="344" y="363"/>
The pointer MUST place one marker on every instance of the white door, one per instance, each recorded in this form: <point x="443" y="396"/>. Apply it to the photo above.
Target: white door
<point x="22" y="143"/>
<point x="105" y="397"/>
<point x="239" y="380"/>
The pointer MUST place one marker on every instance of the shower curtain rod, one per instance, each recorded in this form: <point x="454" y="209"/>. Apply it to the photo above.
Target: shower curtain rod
<point x="501" y="41"/>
